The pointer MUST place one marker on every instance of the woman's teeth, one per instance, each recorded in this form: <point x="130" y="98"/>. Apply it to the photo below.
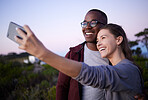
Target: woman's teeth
<point x="101" y="49"/>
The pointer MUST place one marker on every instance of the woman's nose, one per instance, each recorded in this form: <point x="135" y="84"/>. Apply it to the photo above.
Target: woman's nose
<point x="98" y="43"/>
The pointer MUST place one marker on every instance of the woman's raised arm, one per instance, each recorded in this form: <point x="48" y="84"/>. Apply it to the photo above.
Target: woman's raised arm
<point x="31" y="44"/>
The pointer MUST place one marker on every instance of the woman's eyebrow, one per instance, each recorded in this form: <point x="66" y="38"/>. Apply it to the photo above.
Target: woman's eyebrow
<point x="103" y="35"/>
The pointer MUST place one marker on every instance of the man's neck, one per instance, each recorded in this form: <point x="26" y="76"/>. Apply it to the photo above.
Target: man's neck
<point x="92" y="46"/>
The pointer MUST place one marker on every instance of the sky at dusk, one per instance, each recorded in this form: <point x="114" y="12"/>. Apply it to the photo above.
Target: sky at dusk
<point x="57" y="22"/>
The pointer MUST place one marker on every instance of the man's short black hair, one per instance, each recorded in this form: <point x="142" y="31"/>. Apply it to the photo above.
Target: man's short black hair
<point x="102" y="13"/>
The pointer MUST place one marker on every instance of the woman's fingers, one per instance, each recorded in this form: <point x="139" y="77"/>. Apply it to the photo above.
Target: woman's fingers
<point x="22" y="47"/>
<point x="21" y="33"/>
<point x="18" y="40"/>
<point x="30" y="34"/>
<point x="28" y="30"/>
<point x="21" y="39"/>
<point x="24" y="41"/>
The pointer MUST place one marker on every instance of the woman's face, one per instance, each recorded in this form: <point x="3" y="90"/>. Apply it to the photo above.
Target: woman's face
<point x="107" y="43"/>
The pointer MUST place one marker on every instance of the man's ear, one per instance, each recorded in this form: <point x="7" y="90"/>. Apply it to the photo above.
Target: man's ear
<point x="119" y="40"/>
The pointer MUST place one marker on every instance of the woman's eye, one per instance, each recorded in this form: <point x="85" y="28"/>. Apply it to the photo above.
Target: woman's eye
<point x="103" y="37"/>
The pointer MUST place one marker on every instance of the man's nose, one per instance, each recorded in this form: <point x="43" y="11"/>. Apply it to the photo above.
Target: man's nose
<point x="88" y="25"/>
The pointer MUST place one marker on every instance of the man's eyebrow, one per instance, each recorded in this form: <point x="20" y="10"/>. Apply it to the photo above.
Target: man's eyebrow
<point x="94" y="20"/>
<point x="91" y="20"/>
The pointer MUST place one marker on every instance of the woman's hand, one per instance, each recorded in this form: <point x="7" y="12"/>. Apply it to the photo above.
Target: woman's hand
<point x="30" y="43"/>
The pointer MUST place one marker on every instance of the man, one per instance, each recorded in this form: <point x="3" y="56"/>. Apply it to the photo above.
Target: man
<point x="69" y="89"/>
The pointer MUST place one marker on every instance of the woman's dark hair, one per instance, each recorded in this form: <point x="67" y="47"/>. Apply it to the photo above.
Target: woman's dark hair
<point x="117" y="30"/>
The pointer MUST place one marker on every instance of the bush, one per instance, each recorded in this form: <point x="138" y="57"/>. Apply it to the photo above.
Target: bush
<point x="146" y="84"/>
<point x="8" y="77"/>
<point x="19" y="82"/>
<point x="145" y="74"/>
<point x="52" y="93"/>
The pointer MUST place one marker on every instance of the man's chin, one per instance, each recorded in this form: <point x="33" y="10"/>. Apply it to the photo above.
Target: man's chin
<point x="91" y="42"/>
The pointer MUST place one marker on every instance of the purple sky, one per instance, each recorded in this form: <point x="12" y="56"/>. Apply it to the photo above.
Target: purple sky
<point x="57" y="23"/>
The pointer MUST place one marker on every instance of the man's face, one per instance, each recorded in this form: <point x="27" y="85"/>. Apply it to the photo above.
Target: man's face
<point x="90" y="33"/>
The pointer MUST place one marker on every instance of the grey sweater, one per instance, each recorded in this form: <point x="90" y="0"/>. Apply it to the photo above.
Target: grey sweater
<point x="121" y="82"/>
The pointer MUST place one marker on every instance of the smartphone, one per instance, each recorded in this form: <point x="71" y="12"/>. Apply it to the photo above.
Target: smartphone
<point x="12" y="31"/>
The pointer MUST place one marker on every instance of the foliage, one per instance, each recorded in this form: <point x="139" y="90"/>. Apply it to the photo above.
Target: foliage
<point x="38" y="92"/>
<point x="8" y="74"/>
<point x="143" y="37"/>
<point x="143" y="64"/>
<point x="141" y="61"/>
<point x="19" y="82"/>
<point x="132" y="43"/>
<point x="138" y="51"/>
<point x="49" y="71"/>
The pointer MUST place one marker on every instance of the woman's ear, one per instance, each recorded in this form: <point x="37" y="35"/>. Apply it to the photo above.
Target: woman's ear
<point x="119" y="40"/>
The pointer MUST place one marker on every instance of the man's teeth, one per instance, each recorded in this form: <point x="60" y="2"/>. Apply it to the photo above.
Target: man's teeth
<point x="88" y="33"/>
<point x="101" y="49"/>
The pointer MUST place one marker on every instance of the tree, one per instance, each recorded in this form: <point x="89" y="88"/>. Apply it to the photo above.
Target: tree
<point x="144" y="37"/>
<point x="132" y="43"/>
<point x="138" y="51"/>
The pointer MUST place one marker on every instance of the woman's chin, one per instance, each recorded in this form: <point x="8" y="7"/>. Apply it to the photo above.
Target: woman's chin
<point x="103" y="56"/>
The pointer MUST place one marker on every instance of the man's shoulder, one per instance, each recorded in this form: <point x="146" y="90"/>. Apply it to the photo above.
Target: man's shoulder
<point x="77" y="47"/>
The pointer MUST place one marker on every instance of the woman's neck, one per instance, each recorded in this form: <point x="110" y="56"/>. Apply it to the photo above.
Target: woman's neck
<point x="116" y="58"/>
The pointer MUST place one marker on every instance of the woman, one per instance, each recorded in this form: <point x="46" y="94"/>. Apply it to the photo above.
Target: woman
<point x="121" y="81"/>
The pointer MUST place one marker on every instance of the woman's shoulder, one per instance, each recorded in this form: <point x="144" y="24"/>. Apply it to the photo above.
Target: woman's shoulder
<point x="127" y="65"/>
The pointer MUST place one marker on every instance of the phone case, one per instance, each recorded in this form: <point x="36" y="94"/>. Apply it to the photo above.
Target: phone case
<point x="12" y="31"/>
